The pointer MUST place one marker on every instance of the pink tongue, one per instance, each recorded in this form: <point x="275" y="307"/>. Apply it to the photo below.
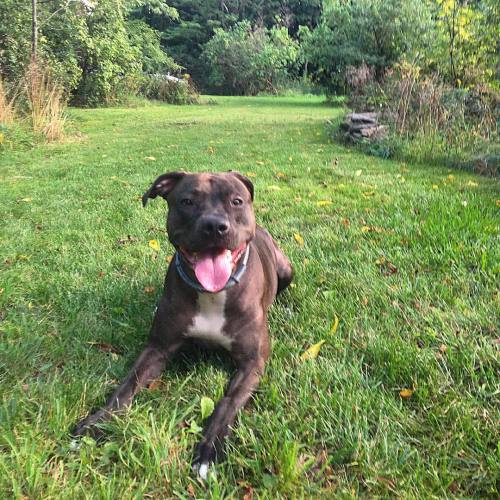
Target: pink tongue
<point x="213" y="270"/>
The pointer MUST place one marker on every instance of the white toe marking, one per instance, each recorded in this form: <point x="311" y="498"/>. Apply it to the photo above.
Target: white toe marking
<point x="203" y="471"/>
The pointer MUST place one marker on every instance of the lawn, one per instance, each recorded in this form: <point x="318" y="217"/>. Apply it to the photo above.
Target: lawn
<point x="403" y="398"/>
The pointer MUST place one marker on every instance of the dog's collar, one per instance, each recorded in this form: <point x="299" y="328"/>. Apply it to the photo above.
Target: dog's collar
<point x="234" y="279"/>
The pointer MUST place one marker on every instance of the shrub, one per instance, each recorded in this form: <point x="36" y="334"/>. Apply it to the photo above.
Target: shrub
<point x="246" y="61"/>
<point x="430" y="120"/>
<point x="169" y="89"/>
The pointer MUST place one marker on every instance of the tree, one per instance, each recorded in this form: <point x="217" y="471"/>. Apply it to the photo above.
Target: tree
<point x="246" y="60"/>
<point x="373" y="32"/>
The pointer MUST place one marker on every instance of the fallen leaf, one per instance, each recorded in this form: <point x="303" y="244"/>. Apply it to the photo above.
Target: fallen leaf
<point x="290" y="158"/>
<point x="335" y="325"/>
<point x="367" y="194"/>
<point x="280" y="175"/>
<point x="274" y="188"/>
<point x="442" y="348"/>
<point x="168" y="258"/>
<point x="26" y="200"/>
<point x="191" y="491"/>
<point x="365" y="229"/>
<point x="154" y="245"/>
<point x="128" y="239"/>
<point x="194" y="428"/>
<point x="498" y="203"/>
<point x="464" y="203"/>
<point x="346" y="222"/>
<point x="435" y="186"/>
<point x="251" y="174"/>
<point x="358" y="173"/>
<point x="472" y="184"/>
<point x="150" y="158"/>
<point x="406" y="393"/>
<point x="207" y="407"/>
<point x="101" y="274"/>
<point x="259" y="162"/>
<point x="104" y="347"/>
<point x="156" y="384"/>
<point x="149" y="289"/>
<point x="324" y="203"/>
<point x="248" y="493"/>
<point x="299" y="239"/>
<point x="313" y="351"/>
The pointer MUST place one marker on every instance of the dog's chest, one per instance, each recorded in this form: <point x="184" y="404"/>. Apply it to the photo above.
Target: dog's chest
<point x="209" y="320"/>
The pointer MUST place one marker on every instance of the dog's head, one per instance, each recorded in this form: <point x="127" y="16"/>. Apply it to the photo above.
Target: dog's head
<point x="210" y="221"/>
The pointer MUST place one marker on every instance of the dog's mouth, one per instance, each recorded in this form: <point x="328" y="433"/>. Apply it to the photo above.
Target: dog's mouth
<point x="213" y="267"/>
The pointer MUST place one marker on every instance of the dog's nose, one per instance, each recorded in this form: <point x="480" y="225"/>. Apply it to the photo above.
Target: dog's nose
<point x="214" y="226"/>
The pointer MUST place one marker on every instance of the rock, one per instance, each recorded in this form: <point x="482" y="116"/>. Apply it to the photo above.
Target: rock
<point x="358" y="126"/>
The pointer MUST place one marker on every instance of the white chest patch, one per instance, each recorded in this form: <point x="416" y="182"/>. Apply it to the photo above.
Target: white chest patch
<point x="209" y="321"/>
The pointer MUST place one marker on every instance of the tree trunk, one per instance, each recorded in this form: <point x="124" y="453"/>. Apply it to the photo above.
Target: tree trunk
<point x="34" y="31"/>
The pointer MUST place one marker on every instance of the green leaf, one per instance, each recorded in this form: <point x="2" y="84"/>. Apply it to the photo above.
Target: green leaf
<point x="207" y="407"/>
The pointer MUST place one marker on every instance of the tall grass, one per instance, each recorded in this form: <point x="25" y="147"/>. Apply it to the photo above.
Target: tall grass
<point x="44" y="99"/>
<point x="35" y="102"/>
<point x="7" y="105"/>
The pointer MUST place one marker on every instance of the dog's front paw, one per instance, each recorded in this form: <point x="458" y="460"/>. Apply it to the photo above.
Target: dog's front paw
<point x="88" y="426"/>
<point x="204" y="460"/>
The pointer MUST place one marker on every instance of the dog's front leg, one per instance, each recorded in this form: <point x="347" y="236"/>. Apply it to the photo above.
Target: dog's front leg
<point x="148" y="366"/>
<point x="241" y="387"/>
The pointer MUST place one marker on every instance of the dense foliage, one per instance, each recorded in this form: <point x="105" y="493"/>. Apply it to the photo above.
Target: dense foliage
<point x="246" y="61"/>
<point x="100" y="50"/>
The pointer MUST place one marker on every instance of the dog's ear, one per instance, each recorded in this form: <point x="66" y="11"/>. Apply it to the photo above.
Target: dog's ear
<point x="162" y="186"/>
<point x="245" y="180"/>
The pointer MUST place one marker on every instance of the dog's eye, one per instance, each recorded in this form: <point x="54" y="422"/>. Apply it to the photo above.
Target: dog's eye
<point x="237" y="201"/>
<point x="186" y="201"/>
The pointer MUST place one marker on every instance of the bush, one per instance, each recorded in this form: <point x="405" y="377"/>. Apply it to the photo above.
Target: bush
<point x="430" y="120"/>
<point x="246" y="61"/>
<point x="169" y="89"/>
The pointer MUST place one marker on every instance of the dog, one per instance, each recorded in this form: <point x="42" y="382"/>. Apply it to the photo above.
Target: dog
<point x="223" y="278"/>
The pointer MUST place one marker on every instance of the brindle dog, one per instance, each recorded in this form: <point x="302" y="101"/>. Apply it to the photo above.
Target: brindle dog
<point x="225" y="275"/>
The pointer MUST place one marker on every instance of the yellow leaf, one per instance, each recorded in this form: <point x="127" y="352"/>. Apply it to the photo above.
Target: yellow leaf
<point x="259" y="162"/>
<point x="365" y="229"/>
<point x="367" y="194"/>
<point x="290" y="158"/>
<point x="251" y="174"/>
<point x="154" y="245"/>
<point x="498" y="203"/>
<point x="472" y="184"/>
<point x="380" y="261"/>
<point x="168" y="258"/>
<point x="313" y="351"/>
<point x="324" y="203"/>
<point x="406" y="393"/>
<point x="27" y="200"/>
<point x="299" y="239"/>
<point x="280" y="175"/>
<point x="335" y="325"/>
<point x="435" y="186"/>
<point x="358" y="173"/>
<point x="274" y="188"/>
<point x="1" y="137"/>
<point x="150" y="158"/>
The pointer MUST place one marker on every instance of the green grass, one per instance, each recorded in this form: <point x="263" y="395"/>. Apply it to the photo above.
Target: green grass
<point x="425" y="318"/>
